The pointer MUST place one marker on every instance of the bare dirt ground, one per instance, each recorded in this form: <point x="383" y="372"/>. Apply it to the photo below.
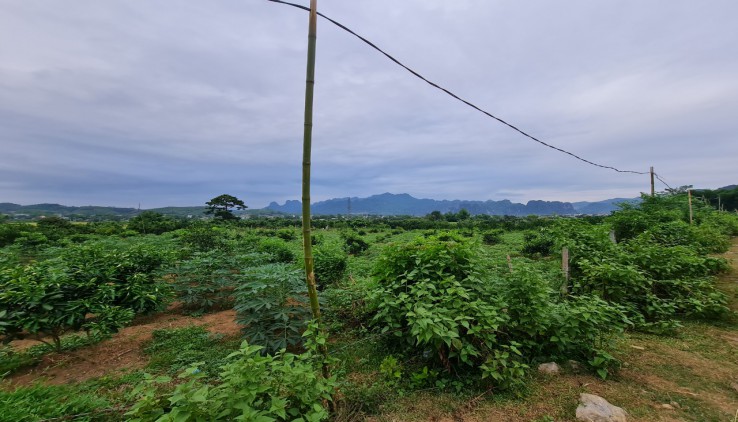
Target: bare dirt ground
<point x="121" y="353"/>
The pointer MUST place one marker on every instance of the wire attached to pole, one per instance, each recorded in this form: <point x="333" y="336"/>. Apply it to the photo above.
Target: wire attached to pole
<point x="448" y="92"/>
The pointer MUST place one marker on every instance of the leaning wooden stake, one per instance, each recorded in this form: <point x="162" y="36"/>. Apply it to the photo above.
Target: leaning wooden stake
<point x="689" y="195"/>
<point x="307" y="244"/>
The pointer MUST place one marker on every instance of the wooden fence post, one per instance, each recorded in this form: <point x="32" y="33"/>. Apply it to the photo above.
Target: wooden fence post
<point x="689" y="195"/>
<point x="509" y="264"/>
<point x="565" y="270"/>
<point x="612" y="237"/>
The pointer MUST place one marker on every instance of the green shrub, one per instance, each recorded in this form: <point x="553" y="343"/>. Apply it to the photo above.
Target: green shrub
<point x="278" y="249"/>
<point x="252" y="386"/>
<point x="330" y="261"/>
<point x="430" y="296"/>
<point x="287" y="234"/>
<point x="271" y="306"/>
<point x="203" y="238"/>
<point x="537" y="243"/>
<point x="96" y="286"/>
<point x="492" y="237"/>
<point x="206" y="280"/>
<point x="353" y="243"/>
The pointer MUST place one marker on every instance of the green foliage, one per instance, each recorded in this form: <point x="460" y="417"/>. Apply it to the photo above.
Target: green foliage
<point x="175" y="350"/>
<point x="537" y="243"/>
<point x="330" y="262"/>
<point x="42" y="300"/>
<point x="428" y="292"/>
<point x="206" y="280"/>
<point x="492" y="237"/>
<point x="278" y="249"/>
<point x="432" y="296"/>
<point x="151" y="222"/>
<point x="55" y="228"/>
<point x="39" y="402"/>
<point x="203" y="238"/>
<point x="9" y="232"/>
<point x="345" y="304"/>
<point x="222" y="206"/>
<point x="659" y="270"/>
<point x="287" y="235"/>
<point x="271" y="306"/>
<point x="353" y="243"/>
<point x="96" y="286"/>
<point x="584" y="329"/>
<point x="254" y="387"/>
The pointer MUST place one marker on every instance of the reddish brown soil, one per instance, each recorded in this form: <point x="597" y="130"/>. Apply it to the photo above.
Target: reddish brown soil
<point x="121" y="353"/>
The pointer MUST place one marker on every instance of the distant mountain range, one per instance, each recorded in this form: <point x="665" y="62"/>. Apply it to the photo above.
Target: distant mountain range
<point x="404" y="204"/>
<point x="384" y="204"/>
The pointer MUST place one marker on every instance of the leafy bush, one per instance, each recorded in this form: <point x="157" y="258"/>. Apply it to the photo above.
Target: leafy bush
<point x="203" y="237"/>
<point x="537" y="243"/>
<point x="330" y="262"/>
<point x="429" y="294"/>
<point x="42" y="300"/>
<point x="492" y="237"/>
<point x="657" y="272"/>
<point x="287" y="234"/>
<point x="432" y="296"/>
<point x="151" y="222"/>
<point x="96" y="286"/>
<point x="353" y="243"/>
<point x="278" y="249"/>
<point x="254" y="387"/>
<point x="11" y="231"/>
<point x="271" y="306"/>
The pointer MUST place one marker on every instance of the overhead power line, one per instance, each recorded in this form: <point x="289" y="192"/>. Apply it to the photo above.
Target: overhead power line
<point x="662" y="180"/>
<point x="468" y="103"/>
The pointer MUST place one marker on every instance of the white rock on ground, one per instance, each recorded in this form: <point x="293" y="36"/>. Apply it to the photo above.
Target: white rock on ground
<point x="596" y="409"/>
<point x="551" y="368"/>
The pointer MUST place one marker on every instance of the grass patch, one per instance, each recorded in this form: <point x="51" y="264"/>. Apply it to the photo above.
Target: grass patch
<point x="173" y="350"/>
<point x="38" y="402"/>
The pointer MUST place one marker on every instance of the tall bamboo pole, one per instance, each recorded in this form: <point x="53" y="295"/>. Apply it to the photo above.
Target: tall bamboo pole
<point x="653" y="185"/>
<point x="306" y="152"/>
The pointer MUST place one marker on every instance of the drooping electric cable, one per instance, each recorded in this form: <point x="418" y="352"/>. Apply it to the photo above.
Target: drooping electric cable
<point x="448" y="92"/>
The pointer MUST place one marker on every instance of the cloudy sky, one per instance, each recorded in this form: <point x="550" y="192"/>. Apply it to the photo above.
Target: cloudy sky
<point x="121" y="102"/>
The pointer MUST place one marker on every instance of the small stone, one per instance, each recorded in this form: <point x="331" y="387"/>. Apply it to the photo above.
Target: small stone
<point x="667" y="406"/>
<point x="638" y="347"/>
<point x="575" y="366"/>
<point x="550" y="368"/>
<point x="594" y="408"/>
<point x="735" y="386"/>
<point x="675" y="405"/>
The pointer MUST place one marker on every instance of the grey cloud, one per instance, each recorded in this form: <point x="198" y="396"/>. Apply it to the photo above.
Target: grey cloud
<point x="175" y="102"/>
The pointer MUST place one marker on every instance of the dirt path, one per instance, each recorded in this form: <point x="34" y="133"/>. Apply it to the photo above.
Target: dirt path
<point x="121" y="353"/>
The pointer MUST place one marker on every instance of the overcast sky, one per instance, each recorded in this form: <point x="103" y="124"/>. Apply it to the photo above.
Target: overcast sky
<point x="174" y="102"/>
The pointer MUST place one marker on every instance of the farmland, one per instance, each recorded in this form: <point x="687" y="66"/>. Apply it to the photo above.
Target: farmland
<point x="430" y="318"/>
